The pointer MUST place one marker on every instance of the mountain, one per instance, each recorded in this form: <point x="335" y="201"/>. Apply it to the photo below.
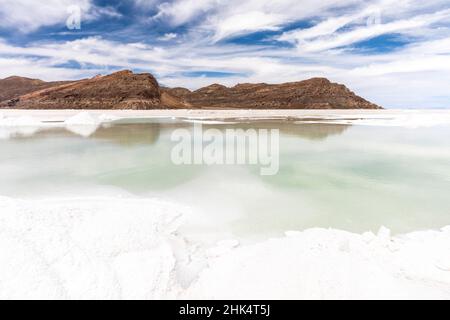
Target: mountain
<point x="316" y="93"/>
<point x="126" y="90"/>
<point x="14" y="87"/>
<point x="120" y="90"/>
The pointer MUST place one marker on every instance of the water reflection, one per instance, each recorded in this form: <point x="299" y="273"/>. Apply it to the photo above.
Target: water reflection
<point x="122" y="134"/>
<point x="142" y="131"/>
<point x="17" y="132"/>
<point x="129" y="134"/>
<point x="306" y="130"/>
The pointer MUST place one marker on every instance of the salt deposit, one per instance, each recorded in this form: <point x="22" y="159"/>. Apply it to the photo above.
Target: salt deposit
<point x="113" y="248"/>
<point x="18" y="126"/>
<point x="24" y="121"/>
<point x="329" y="264"/>
<point x="86" y="248"/>
<point x="83" y="124"/>
<point x="396" y="118"/>
<point x="82" y="118"/>
<point x="108" y="117"/>
<point x="84" y="130"/>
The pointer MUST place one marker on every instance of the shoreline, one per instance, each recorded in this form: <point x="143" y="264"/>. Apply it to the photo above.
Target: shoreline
<point x="210" y="113"/>
<point x="395" y="117"/>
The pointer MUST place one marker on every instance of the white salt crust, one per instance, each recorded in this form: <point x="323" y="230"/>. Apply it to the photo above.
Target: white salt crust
<point x="120" y="248"/>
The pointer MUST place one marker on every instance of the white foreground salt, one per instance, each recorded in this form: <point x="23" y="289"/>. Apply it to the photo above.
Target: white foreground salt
<point x="331" y="264"/>
<point x="86" y="248"/>
<point x="112" y="248"/>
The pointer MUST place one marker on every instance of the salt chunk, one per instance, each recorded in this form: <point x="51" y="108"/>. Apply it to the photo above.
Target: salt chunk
<point x="222" y="247"/>
<point x="443" y="264"/>
<point x="292" y="234"/>
<point x="83" y="124"/>
<point x="368" y="237"/>
<point x="83" y="118"/>
<point x="344" y="246"/>
<point x="107" y="117"/>
<point x="228" y="243"/>
<point x="24" y="121"/>
<point x="384" y="234"/>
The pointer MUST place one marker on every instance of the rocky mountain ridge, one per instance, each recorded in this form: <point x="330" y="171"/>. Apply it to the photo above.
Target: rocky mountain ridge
<point x="127" y="90"/>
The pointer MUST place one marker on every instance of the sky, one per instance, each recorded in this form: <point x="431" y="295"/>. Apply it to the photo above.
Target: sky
<point x="395" y="53"/>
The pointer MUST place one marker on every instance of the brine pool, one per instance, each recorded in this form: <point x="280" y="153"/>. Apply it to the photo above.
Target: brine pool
<point x="349" y="177"/>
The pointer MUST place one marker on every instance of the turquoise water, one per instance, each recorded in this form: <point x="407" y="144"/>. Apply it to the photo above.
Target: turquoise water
<point x="355" y="178"/>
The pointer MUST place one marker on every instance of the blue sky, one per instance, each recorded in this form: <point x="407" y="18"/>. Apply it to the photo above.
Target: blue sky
<point x="393" y="52"/>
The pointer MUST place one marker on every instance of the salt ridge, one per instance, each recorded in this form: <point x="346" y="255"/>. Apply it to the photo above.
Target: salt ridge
<point x="83" y="124"/>
<point x="398" y="118"/>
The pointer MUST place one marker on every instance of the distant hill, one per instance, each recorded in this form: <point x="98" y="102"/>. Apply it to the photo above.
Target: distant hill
<point x="316" y="93"/>
<point x="14" y="87"/>
<point x="120" y="90"/>
<point x="126" y="90"/>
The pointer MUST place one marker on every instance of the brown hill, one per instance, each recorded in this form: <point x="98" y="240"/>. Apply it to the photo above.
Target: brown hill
<point x="13" y="87"/>
<point x="317" y="93"/>
<point x="126" y="90"/>
<point x="120" y="90"/>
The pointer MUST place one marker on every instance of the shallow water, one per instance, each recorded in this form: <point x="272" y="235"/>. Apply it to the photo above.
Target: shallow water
<point x="355" y="178"/>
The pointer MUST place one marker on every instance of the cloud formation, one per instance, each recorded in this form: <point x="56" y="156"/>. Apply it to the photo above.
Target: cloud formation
<point x="30" y="15"/>
<point x="395" y="53"/>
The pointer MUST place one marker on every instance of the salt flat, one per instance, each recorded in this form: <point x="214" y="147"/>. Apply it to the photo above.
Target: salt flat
<point x="411" y="118"/>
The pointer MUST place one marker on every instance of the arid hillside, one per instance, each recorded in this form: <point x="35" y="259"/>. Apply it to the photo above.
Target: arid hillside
<point x="127" y="90"/>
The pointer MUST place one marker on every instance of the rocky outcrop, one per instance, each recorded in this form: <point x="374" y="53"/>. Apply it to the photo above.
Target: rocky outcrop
<point x="120" y="90"/>
<point x="13" y="87"/>
<point x="126" y="90"/>
<point x="317" y="93"/>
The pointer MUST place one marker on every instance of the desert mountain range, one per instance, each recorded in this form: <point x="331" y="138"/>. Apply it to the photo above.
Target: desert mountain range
<point x="127" y="90"/>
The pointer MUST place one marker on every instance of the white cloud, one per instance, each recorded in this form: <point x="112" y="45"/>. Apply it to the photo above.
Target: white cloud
<point x="168" y="37"/>
<point x="312" y="40"/>
<point x="146" y="4"/>
<point x="29" y="15"/>
<point x="331" y="25"/>
<point x="228" y="18"/>
<point x="39" y="69"/>
<point x="414" y="75"/>
<point x="220" y="19"/>
<point x="182" y="11"/>
<point x="245" y="23"/>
